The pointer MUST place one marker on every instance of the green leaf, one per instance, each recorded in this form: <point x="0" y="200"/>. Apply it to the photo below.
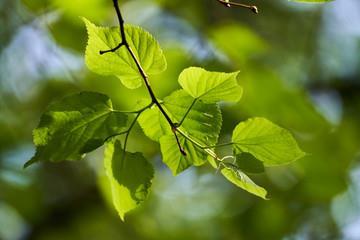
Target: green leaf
<point x="202" y="122"/>
<point x="248" y="163"/>
<point x="210" y="87"/>
<point x="120" y="62"/>
<point x="75" y="125"/>
<point x="173" y="158"/>
<point x="154" y="124"/>
<point x="241" y="180"/>
<point x="266" y="141"/>
<point x="130" y="176"/>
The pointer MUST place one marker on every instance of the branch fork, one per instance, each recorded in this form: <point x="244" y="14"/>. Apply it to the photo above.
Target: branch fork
<point x="175" y="127"/>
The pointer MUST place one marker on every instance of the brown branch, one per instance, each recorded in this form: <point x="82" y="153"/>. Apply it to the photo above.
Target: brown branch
<point x="253" y="8"/>
<point x="142" y="72"/>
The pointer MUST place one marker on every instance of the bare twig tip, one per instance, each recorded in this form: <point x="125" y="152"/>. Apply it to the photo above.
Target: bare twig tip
<point x="254" y="9"/>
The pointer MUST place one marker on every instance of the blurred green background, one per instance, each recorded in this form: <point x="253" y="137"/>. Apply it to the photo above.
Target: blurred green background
<point x="300" y="66"/>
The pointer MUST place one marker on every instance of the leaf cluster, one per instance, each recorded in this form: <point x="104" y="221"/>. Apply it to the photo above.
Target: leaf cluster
<point x="186" y="123"/>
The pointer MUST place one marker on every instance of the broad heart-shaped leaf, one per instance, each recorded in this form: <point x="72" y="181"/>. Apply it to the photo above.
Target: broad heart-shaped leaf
<point x="241" y="180"/>
<point x="202" y="122"/>
<point x="173" y="158"/>
<point x="120" y="62"/>
<point x="210" y="87"/>
<point x="130" y="176"/>
<point x="75" y="125"/>
<point x="266" y="141"/>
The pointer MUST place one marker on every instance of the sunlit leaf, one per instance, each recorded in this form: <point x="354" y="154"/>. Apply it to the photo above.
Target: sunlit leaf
<point x="120" y="63"/>
<point x="202" y="122"/>
<point x="210" y="87"/>
<point x="130" y="176"/>
<point x="76" y="125"/>
<point x="266" y="141"/>
<point x="174" y="159"/>
<point x="240" y="179"/>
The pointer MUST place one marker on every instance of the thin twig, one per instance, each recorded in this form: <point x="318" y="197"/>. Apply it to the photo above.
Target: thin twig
<point x="253" y="8"/>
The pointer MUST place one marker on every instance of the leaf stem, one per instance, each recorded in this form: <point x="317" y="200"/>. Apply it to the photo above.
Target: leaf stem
<point x="129" y="130"/>
<point x="136" y="111"/>
<point x="199" y="145"/>
<point x="115" y="135"/>
<point x="187" y="112"/>
<point x="219" y="145"/>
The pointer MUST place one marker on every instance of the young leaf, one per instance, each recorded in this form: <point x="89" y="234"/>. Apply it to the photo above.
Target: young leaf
<point x="241" y="180"/>
<point x="234" y="174"/>
<point x="130" y="176"/>
<point x="75" y="125"/>
<point x="266" y="141"/>
<point x="154" y="124"/>
<point x="210" y="87"/>
<point x="203" y="121"/>
<point x="173" y="158"/>
<point x="120" y="62"/>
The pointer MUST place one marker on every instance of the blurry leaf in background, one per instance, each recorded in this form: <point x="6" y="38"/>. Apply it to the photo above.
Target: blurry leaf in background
<point x="226" y="37"/>
<point x="12" y="224"/>
<point x="97" y="10"/>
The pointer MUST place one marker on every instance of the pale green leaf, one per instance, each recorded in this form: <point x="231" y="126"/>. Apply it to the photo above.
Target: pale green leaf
<point x="174" y="159"/>
<point x="203" y="121"/>
<point x="120" y="62"/>
<point x="76" y="125"/>
<point x="154" y="124"/>
<point x="266" y="141"/>
<point x="130" y="176"/>
<point x="241" y="180"/>
<point x="210" y="87"/>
